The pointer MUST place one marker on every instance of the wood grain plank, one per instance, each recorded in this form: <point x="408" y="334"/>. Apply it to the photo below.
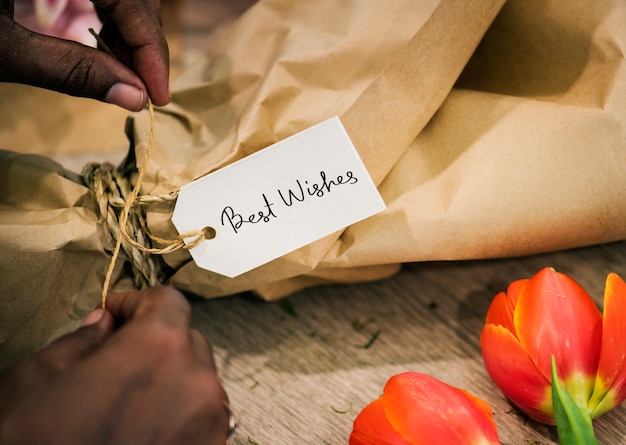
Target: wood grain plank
<point x="297" y="372"/>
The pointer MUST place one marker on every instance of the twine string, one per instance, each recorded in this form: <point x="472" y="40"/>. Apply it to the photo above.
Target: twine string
<point x="113" y="191"/>
<point x="118" y="229"/>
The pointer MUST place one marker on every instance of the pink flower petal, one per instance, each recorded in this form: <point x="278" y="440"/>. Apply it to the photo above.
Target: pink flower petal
<point x="49" y="11"/>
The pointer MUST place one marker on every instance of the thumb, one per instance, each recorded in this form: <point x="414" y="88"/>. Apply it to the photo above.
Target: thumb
<point x="74" y="346"/>
<point x="67" y="67"/>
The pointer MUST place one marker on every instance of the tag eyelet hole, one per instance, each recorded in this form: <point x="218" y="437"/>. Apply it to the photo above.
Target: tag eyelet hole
<point x="209" y="233"/>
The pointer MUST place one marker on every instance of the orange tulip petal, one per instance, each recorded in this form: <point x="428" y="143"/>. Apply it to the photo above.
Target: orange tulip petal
<point x="500" y="312"/>
<point x="612" y="364"/>
<point x="371" y="427"/>
<point x="512" y="370"/>
<point x="502" y="307"/>
<point x="513" y="291"/>
<point x="482" y="407"/>
<point x="555" y="316"/>
<point x="425" y="410"/>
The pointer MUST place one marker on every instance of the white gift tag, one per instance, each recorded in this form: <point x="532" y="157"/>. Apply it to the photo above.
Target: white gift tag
<point x="277" y="200"/>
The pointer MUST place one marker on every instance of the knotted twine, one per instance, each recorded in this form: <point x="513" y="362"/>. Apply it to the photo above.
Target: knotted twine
<point x="123" y="216"/>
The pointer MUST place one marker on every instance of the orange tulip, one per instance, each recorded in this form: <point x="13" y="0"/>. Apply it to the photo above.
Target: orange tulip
<point x="552" y="315"/>
<point x="417" y="409"/>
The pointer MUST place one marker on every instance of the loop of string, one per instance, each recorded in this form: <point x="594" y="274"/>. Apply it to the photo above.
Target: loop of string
<point x="122" y="213"/>
<point x="138" y="250"/>
<point x="111" y="187"/>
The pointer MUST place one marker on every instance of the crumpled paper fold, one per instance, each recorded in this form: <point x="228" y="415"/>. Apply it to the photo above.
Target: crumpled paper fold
<point x="491" y="130"/>
<point x="383" y="69"/>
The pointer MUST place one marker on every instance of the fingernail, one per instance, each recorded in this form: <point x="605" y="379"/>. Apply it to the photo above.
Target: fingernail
<point x="93" y="317"/>
<point x="126" y="96"/>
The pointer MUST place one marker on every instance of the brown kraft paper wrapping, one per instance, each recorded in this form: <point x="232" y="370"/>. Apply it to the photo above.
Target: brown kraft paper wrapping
<point x="519" y="151"/>
<point x="384" y="69"/>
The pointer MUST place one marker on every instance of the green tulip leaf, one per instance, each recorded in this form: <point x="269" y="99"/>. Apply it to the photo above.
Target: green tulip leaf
<point x="573" y="423"/>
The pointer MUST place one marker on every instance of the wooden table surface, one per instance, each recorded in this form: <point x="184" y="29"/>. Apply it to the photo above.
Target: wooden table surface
<point x="298" y="372"/>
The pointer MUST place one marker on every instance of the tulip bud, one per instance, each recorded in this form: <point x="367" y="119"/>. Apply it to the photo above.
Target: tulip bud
<point x="552" y="315"/>
<point x="417" y="409"/>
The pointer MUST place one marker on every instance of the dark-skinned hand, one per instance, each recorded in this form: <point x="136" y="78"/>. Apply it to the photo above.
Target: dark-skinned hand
<point x="131" y="29"/>
<point x="136" y="374"/>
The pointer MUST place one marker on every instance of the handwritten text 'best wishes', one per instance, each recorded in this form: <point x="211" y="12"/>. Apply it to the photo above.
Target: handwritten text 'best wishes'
<point x="301" y="192"/>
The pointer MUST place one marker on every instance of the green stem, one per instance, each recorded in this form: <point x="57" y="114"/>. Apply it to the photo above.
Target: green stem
<point x="573" y="422"/>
